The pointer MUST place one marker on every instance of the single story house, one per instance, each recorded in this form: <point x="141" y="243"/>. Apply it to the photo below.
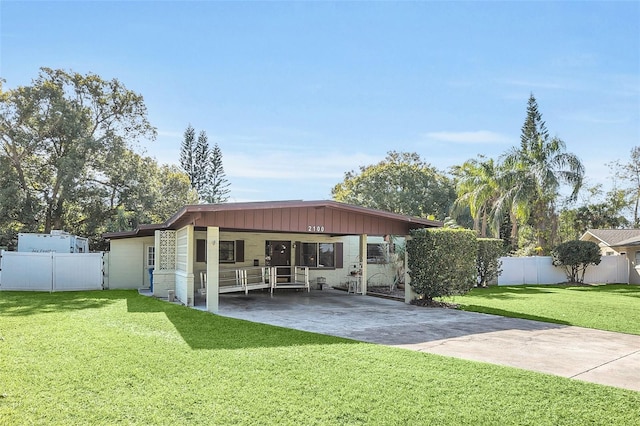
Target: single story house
<point x="208" y="249"/>
<point x="619" y="242"/>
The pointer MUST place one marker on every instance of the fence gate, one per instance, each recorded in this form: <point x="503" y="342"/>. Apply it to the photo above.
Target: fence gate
<point x="51" y="271"/>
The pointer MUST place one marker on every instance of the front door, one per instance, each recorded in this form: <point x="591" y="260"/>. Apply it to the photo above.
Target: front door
<point x="149" y="263"/>
<point x="278" y="253"/>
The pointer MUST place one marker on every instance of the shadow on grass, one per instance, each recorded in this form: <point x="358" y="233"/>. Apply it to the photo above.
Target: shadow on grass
<point x="203" y="330"/>
<point x="628" y="290"/>
<point x="510" y="292"/>
<point x="510" y="314"/>
<point x="19" y="303"/>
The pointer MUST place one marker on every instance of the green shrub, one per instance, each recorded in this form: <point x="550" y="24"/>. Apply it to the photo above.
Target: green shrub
<point x="442" y="262"/>
<point x="576" y="256"/>
<point x="488" y="260"/>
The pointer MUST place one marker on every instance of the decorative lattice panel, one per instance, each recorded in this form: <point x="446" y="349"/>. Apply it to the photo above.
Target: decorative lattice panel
<point x="167" y="260"/>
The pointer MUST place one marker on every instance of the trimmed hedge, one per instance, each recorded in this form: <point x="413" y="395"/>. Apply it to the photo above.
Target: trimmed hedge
<point x="442" y="261"/>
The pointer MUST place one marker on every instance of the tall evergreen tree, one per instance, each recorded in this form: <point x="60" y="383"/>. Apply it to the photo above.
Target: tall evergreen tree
<point x="204" y="167"/>
<point x="186" y="153"/>
<point x="217" y="183"/>
<point x="201" y="164"/>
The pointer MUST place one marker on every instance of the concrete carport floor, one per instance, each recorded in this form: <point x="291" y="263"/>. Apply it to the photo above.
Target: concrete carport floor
<point x="585" y="354"/>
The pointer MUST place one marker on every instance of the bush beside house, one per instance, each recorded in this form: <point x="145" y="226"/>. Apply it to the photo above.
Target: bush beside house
<point x="442" y="261"/>
<point x="488" y="259"/>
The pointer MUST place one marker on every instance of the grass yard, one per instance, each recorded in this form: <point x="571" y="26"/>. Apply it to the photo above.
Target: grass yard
<point x="114" y="357"/>
<point x="614" y="307"/>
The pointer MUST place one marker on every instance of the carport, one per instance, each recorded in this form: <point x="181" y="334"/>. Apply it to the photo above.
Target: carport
<point x="211" y="240"/>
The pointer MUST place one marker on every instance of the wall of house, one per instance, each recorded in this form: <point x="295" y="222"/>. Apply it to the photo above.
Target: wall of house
<point x="184" y="259"/>
<point x="254" y="249"/>
<point x="127" y="262"/>
<point x="633" y="254"/>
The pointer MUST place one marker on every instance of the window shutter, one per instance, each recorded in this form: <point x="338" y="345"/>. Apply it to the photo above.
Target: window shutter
<point x="298" y="253"/>
<point x="339" y="255"/>
<point x="239" y="250"/>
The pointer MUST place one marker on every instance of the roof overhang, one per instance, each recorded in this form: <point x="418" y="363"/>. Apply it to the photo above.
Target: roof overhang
<point x="313" y="217"/>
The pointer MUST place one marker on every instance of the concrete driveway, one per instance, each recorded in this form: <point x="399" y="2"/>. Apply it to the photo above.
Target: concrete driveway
<point x="580" y="353"/>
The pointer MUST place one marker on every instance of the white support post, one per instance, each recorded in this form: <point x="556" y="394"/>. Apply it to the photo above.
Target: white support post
<point x="363" y="259"/>
<point x="213" y="269"/>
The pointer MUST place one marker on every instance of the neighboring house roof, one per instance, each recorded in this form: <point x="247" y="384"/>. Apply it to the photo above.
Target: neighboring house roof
<point x="614" y="237"/>
<point x="635" y="241"/>
<point x="315" y="217"/>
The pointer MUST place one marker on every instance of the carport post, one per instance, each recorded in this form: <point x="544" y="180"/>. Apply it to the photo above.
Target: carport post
<point x="363" y="266"/>
<point x="213" y="266"/>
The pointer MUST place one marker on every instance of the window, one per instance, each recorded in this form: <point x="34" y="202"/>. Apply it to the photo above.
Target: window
<point x="377" y="253"/>
<point x="151" y="256"/>
<point x="638" y="258"/>
<point x="227" y="251"/>
<point x="317" y="255"/>
<point x="201" y="250"/>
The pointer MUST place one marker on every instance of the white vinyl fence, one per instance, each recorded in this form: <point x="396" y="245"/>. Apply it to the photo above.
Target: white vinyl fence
<point x="51" y="271"/>
<point x="540" y="270"/>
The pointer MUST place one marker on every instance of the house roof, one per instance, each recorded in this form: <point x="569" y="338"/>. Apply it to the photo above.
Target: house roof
<point x="614" y="237"/>
<point x="315" y="217"/>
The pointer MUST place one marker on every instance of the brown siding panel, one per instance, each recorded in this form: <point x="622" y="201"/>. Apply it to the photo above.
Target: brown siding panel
<point x="294" y="216"/>
<point x="276" y="221"/>
<point x="286" y="219"/>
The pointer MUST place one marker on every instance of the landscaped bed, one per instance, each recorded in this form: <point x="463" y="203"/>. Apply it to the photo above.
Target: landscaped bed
<point x="614" y="307"/>
<point x="115" y="357"/>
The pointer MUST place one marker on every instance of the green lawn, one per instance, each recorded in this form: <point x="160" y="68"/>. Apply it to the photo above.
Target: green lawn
<point x="614" y="307"/>
<point x="115" y="357"/>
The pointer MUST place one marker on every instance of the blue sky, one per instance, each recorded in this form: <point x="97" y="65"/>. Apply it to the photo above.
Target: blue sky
<point x="298" y="93"/>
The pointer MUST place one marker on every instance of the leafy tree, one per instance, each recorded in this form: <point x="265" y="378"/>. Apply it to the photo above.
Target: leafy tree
<point x="488" y="259"/>
<point x="67" y="162"/>
<point x="576" y="256"/>
<point x="630" y="173"/>
<point x="55" y="135"/>
<point x="533" y="175"/>
<point x="605" y="211"/>
<point x="441" y="261"/>
<point x="401" y="183"/>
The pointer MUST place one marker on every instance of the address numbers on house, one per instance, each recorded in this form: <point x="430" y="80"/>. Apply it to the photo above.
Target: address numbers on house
<point x="315" y="228"/>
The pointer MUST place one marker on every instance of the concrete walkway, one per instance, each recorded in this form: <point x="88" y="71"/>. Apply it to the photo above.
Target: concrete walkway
<point x="591" y="355"/>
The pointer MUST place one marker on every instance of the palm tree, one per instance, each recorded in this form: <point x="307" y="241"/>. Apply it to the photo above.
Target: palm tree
<point x="478" y="189"/>
<point x="534" y="173"/>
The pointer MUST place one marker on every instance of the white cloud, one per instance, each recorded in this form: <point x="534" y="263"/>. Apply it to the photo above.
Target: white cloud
<point x="475" y="137"/>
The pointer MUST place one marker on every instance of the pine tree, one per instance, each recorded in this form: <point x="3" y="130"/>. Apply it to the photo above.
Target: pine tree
<point x="534" y="129"/>
<point x="204" y="167"/>
<point x="186" y="153"/>
<point x="217" y="183"/>
<point x="201" y="160"/>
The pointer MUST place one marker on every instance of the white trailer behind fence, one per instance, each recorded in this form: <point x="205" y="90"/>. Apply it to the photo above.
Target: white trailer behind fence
<point x="540" y="270"/>
<point x="51" y="271"/>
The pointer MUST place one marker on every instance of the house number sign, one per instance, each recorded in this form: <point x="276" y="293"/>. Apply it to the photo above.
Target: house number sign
<point x="315" y="228"/>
